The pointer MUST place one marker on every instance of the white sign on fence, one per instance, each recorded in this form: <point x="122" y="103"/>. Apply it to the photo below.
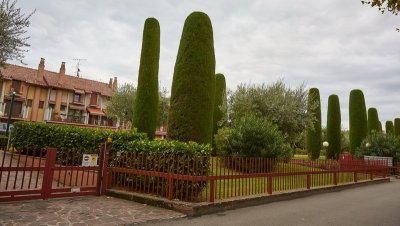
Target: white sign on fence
<point x="388" y="159"/>
<point x="89" y="160"/>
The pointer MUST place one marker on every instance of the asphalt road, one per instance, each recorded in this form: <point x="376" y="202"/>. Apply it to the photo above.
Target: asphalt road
<point x="370" y="205"/>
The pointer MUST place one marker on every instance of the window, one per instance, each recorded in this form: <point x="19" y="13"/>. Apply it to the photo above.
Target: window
<point x="16" y="111"/>
<point x="41" y="104"/>
<point x="77" y="98"/>
<point x="93" y="99"/>
<point x="16" y="85"/>
<point x="29" y="103"/>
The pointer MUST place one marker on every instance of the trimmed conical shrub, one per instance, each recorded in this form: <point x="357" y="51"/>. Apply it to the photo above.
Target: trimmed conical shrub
<point x="380" y="126"/>
<point x="146" y="106"/>
<point x="357" y="119"/>
<point x="193" y="86"/>
<point x="389" y="127"/>
<point x="373" y="121"/>
<point x="396" y="127"/>
<point x="333" y="128"/>
<point x="220" y="101"/>
<point x="313" y="139"/>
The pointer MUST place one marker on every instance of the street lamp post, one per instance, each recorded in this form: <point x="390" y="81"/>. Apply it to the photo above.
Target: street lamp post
<point x="10" y="111"/>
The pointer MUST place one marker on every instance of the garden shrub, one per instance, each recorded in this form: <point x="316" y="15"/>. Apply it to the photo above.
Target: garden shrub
<point x="193" y="86"/>
<point x="146" y="106"/>
<point x="357" y="119"/>
<point x="396" y="127"/>
<point x="252" y="137"/>
<point x="220" y="102"/>
<point x="373" y="121"/>
<point x="41" y="135"/>
<point x="313" y="136"/>
<point x="389" y="127"/>
<point x="380" y="145"/>
<point x="333" y="128"/>
<point x="164" y="156"/>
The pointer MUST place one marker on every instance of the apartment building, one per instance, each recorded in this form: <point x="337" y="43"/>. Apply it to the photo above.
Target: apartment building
<point x="54" y="97"/>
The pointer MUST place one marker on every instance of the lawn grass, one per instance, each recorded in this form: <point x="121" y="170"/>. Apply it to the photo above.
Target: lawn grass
<point x="305" y="157"/>
<point x="258" y="185"/>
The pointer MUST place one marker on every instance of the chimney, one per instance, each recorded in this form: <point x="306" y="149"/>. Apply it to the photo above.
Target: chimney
<point x="40" y="73"/>
<point x="110" y="83"/>
<point x="115" y="84"/>
<point x="61" y="73"/>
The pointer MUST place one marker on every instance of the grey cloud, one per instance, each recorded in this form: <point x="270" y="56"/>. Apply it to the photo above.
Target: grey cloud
<point x="335" y="45"/>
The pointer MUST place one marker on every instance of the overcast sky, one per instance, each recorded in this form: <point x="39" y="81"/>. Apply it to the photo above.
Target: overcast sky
<point x="334" y="45"/>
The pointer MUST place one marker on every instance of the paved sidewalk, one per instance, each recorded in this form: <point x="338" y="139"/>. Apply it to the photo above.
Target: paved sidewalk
<point x="371" y="205"/>
<point x="89" y="210"/>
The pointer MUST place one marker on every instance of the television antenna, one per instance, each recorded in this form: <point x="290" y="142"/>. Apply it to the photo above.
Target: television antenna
<point x="77" y="66"/>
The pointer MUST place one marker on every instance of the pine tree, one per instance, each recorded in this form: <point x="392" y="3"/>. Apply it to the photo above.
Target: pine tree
<point x="373" y="121"/>
<point x="396" y="127"/>
<point x="389" y="127"/>
<point x="358" y="119"/>
<point x="313" y="139"/>
<point x="333" y="128"/>
<point x="193" y="86"/>
<point x="146" y="107"/>
<point x="220" y="101"/>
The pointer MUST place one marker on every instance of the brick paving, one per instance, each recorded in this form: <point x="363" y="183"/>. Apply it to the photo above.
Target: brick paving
<point x="88" y="210"/>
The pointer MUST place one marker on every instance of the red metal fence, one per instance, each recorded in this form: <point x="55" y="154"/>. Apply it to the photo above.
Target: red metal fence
<point x="27" y="174"/>
<point x="197" y="179"/>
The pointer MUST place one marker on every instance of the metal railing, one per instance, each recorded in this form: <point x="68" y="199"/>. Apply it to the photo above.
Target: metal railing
<point x="199" y="179"/>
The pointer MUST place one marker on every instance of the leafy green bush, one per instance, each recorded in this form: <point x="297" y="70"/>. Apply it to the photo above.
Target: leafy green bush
<point x="251" y="136"/>
<point x="380" y="145"/>
<point x="41" y="135"/>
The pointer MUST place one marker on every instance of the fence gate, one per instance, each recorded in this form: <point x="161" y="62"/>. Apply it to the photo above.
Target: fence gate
<point x="28" y="174"/>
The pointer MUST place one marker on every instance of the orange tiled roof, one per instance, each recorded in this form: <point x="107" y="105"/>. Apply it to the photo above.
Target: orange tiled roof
<point x="53" y="79"/>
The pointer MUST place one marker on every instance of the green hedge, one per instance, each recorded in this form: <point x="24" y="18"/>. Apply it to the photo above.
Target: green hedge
<point x="41" y="135"/>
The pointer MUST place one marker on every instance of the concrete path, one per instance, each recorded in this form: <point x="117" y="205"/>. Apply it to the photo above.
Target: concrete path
<point x="370" y="205"/>
<point x="89" y="210"/>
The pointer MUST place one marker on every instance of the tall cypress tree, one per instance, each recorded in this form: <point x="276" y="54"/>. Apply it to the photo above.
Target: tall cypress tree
<point x="373" y="121"/>
<point x="396" y="127"/>
<point x="358" y="119"/>
<point x="220" y="100"/>
<point x="146" y="106"/>
<point x="389" y="127"/>
<point x="193" y="86"/>
<point x="313" y="139"/>
<point x="333" y="128"/>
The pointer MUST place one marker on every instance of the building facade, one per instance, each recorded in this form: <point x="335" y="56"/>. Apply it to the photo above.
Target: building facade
<point x="54" y="97"/>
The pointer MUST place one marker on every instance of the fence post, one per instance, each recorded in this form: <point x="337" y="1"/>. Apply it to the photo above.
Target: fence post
<point x="335" y="178"/>
<point x="171" y="188"/>
<point x="355" y="176"/>
<point x="47" y="182"/>
<point x="371" y="175"/>
<point x="269" y="185"/>
<point x="102" y="179"/>
<point x="308" y="181"/>
<point x="212" y="190"/>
